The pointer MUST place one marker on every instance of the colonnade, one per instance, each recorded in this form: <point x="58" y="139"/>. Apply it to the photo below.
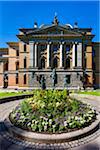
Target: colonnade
<point x="76" y="48"/>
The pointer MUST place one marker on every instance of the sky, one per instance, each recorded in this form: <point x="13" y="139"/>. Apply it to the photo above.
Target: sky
<point x="23" y="14"/>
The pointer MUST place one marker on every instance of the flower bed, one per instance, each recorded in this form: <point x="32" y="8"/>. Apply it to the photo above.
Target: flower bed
<point x="52" y="111"/>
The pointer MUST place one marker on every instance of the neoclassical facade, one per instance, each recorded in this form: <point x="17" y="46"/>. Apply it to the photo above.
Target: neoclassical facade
<point x="67" y="49"/>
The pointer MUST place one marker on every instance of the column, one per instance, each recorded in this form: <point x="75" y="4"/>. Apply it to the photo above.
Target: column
<point x="79" y="55"/>
<point x="36" y="54"/>
<point x="48" y="55"/>
<point x="73" y="56"/>
<point x="61" y="55"/>
<point x="31" y="54"/>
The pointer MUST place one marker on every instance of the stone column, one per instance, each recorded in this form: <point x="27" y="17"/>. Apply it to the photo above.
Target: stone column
<point x="48" y="55"/>
<point x="61" y="55"/>
<point x="73" y="56"/>
<point x="31" y="54"/>
<point x="36" y="55"/>
<point x="79" y="55"/>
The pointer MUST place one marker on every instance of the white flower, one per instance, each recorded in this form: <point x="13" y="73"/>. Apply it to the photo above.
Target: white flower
<point x="65" y="123"/>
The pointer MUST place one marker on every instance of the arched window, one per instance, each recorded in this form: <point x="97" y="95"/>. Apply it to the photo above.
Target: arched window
<point x="43" y="63"/>
<point x="55" y="47"/>
<point x="67" y="63"/>
<point x="55" y="63"/>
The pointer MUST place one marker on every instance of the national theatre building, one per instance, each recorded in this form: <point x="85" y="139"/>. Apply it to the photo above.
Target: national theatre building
<point x="66" y="50"/>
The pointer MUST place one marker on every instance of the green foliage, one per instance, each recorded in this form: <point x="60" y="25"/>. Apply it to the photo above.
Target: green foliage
<point x="25" y="107"/>
<point x="52" y="111"/>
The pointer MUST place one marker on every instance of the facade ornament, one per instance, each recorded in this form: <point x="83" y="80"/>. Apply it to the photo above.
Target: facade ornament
<point x="54" y="78"/>
<point x="65" y="81"/>
<point x="55" y="22"/>
<point x="42" y="82"/>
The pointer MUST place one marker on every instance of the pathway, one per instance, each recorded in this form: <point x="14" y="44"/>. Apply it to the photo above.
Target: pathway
<point x="91" y="142"/>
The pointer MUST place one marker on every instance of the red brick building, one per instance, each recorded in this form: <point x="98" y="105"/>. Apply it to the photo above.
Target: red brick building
<point x="41" y="49"/>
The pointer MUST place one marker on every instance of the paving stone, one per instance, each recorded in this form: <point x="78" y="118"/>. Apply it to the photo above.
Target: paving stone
<point x="9" y="143"/>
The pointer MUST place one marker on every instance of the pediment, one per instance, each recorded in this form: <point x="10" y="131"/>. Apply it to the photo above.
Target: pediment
<point x="54" y="29"/>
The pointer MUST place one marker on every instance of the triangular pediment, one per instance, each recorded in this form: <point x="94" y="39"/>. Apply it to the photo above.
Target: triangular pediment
<point x="54" y="29"/>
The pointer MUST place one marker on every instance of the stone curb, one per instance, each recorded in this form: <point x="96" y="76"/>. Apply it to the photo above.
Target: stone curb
<point x="12" y="98"/>
<point x="51" y="138"/>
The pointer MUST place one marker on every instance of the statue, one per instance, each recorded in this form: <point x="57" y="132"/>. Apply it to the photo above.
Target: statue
<point x="54" y="78"/>
<point x="65" y="84"/>
<point x="42" y="82"/>
<point x="65" y="81"/>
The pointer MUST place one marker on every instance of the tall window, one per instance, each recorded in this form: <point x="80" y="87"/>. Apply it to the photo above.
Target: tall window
<point x="24" y="78"/>
<point x="17" y="52"/>
<point x="75" y="55"/>
<point x="55" y="63"/>
<point x="25" y="62"/>
<point x="17" y="65"/>
<point x="55" y="47"/>
<point x="24" y="47"/>
<point x="67" y="48"/>
<point x="6" y="66"/>
<point x="43" y="47"/>
<point x="16" y="78"/>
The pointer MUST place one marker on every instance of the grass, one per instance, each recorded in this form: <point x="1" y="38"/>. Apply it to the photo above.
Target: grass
<point x="9" y="94"/>
<point x="95" y="93"/>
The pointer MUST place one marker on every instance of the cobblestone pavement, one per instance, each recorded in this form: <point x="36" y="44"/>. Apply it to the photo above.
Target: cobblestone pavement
<point x="7" y="142"/>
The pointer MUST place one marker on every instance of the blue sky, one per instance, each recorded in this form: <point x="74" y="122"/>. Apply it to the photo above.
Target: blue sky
<point x="22" y="14"/>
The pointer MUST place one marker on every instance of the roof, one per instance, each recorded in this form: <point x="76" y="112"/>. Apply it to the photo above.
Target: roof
<point x="54" y="30"/>
<point x="3" y="49"/>
<point x="13" y="44"/>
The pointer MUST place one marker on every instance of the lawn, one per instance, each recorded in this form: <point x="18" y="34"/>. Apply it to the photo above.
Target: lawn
<point x="95" y="93"/>
<point x="9" y="94"/>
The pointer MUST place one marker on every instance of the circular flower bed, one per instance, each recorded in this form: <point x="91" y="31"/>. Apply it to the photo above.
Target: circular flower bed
<point x="52" y="111"/>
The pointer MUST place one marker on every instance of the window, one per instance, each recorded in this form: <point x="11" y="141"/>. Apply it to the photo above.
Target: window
<point x="25" y="62"/>
<point x="67" y="48"/>
<point x="24" y="47"/>
<point x="6" y="66"/>
<point x="55" y="63"/>
<point x="75" y="55"/>
<point x="17" y="65"/>
<point x="17" y="52"/>
<point x="55" y="47"/>
<point x="68" y="63"/>
<point x="68" y="79"/>
<point x="24" y="78"/>
<point x="16" y="78"/>
<point x="43" y="47"/>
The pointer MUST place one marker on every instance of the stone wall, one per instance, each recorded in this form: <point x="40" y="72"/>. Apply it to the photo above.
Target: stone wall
<point x="75" y="80"/>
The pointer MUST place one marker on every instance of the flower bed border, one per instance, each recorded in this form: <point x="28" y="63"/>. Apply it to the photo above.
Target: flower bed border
<point x="51" y="138"/>
<point x="12" y="98"/>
